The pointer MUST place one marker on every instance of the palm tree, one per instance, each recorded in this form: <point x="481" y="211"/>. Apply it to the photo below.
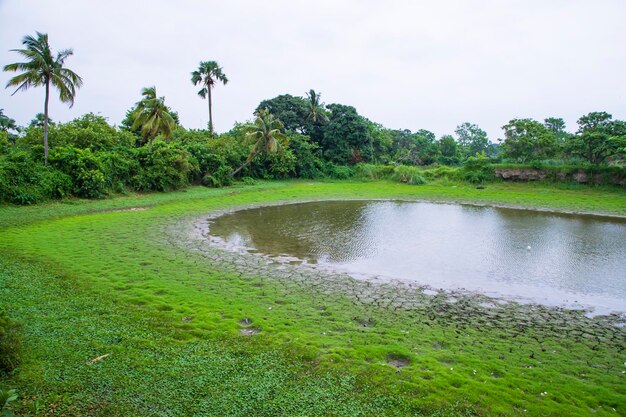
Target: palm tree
<point x="42" y="69"/>
<point x="6" y="123"/>
<point x="265" y="133"/>
<point x="37" y="121"/>
<point x="152" y="117"/>
<point x="316" y="113"/>
<point x="206" y="75"/>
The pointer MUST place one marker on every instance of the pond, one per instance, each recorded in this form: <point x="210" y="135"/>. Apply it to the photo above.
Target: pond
<point x="528" y="256"/>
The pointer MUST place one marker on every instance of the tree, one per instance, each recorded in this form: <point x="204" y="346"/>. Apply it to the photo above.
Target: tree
<point x="557" y="126"/>
<point x="42" y="69"/>
<point x="598" y="138"/>
<point x="448" y="150"/>
<point x="207" y="74"/>
<point x="472" y="139"/>
<point x="38" y="121"/>
<point x="417" y="148"/>
<point x="265" y="134"/>
<point x="152" y="117"/>
<point x="6" y="123"/>
<point x="346" y="136"/>
<point x="528" y="140"/>
<point x="290" y="110"/>
<point x="316" y="112"/>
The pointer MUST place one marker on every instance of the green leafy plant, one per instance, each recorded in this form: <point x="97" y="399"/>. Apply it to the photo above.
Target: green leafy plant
<point x="6" y="398"/>
<point x="9" y="344"/>
<point x="408" y="175"/>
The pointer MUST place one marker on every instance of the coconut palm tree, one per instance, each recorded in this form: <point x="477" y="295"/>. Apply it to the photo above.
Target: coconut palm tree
<point x="316" y="113"/>
<point x="6" y="123"/>
<point x="207" y="74"/>
<point x="41" y="68"/>
<point x="37" y="121"/>
<point x="265" y="134"/>
<point x="152" y="117"/>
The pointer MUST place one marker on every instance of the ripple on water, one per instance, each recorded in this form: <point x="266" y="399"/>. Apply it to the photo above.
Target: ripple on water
<point x="574" y="261"/>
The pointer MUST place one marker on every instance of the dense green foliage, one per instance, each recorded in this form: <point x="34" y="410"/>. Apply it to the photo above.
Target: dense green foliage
<point x="92" y="159"/>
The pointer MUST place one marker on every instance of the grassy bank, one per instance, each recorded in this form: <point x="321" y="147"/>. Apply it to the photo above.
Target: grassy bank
<point x="88" y="278"/>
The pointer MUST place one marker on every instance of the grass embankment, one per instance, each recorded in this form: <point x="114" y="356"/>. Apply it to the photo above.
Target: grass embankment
<point x="86" y="280"/>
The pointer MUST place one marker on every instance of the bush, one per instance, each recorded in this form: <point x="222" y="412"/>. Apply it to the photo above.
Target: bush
<point x="339" y="172"/>
<point x="308" y="164"/>
<point x="85" y="169"/>
<point x="118" y="167"/>
<point x="9" y="344"/>
<point x="24" y="181"/>
<point x="4" y="142"/>
<point x="478" y="169"/>
<point x="442" y="173"/>
<point x="408" y="175"/>
<point x="89" y="131"/>
<point x="373" y="172"/>
<point x="220" y="178"/>
<point x="166" y="168"/>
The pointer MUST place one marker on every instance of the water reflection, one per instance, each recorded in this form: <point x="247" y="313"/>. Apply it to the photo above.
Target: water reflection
<point x="571" y="258"/>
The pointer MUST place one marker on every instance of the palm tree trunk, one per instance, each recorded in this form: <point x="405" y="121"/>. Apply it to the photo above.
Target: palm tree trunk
<point x="245" y="164"/>
<point x="210" y="110"/>
<point x="45" y="124"/>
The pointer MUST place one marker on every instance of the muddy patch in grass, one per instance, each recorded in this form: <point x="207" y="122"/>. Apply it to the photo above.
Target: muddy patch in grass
<point x="250" y="331"/>
<point x="245" y="321"/>
<point x="398" y="361"/>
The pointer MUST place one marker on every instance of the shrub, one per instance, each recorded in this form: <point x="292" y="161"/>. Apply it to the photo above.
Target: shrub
<point x="478" y="169"/>
<point x="118" y="167"/>
<point x="249" y="181"/>
<point x="4" y="142"/>
<point x="308" y="164"/>
<point x="85" y="169"/>
<point x="339" y="172"/>
<point x="442" y="173"/>
<point x="220" y="178"/>
<point x="408" y="175"/>
<point x="166" y="168"/>
<point x="373" y="172"/>
<point x="9" y="344"/>
<point x="89" y="131"/>
<point x="24" y="181"/>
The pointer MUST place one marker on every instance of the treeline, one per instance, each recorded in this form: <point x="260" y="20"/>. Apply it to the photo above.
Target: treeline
<point x="290" y="137"/>
<point x="90" y="158"/>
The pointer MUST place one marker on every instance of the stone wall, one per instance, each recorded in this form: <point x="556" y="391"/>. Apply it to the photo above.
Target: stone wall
<point x="577" y="175"/>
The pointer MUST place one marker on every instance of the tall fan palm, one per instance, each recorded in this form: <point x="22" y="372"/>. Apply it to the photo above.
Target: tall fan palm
<point x="316" y="113"/>
<point x="207" y="74"/>
<point x="152" y="117"/>
<point x="42" y="69"/>
<point x="266" y="135"/>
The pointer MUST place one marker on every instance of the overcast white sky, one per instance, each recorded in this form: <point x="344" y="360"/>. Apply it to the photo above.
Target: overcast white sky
<point x="405" y="64"/>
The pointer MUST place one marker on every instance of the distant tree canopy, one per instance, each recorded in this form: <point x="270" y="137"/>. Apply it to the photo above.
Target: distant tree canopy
<point x="527" y="139"/>
<point x="290" y="137"/>
<point x="472" y="139"/>
<point x="290" y="110"/>
<point x="598" y="138"/>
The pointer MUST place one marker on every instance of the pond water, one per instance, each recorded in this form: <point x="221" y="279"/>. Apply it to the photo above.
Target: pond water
<point x="529" y="256"/>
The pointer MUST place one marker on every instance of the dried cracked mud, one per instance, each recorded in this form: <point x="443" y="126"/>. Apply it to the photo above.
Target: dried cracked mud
<point x="457" y="309"/>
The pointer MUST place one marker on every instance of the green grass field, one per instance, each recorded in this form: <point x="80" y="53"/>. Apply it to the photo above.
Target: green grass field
<point x="88" y="278"/>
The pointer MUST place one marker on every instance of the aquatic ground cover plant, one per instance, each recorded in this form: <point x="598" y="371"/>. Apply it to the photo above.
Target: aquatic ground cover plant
<point x="91" y="278"/>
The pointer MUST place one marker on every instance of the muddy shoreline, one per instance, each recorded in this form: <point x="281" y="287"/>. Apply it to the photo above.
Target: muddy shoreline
<point x="458" y="308"/>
